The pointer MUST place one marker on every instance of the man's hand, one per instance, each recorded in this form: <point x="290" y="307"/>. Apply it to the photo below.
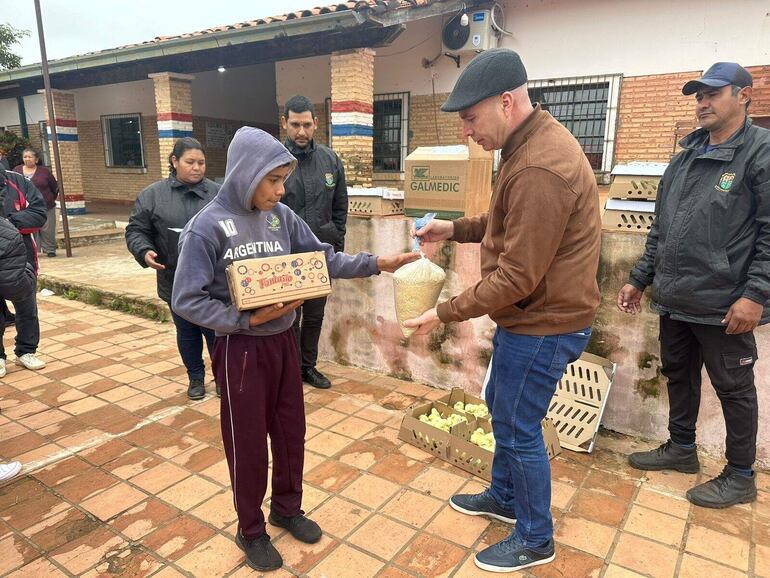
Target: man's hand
<point x="436" y="230"/>
<point x="630" y="299"/>
<point x="150" y="258"/>
<point x="743" y="316"/>
<point x="393" y="262"/>
<point x="270" y="312"/>
<point x="425" y="323"/>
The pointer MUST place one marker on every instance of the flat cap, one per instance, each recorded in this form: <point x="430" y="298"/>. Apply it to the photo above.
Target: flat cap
<point x="491" y="72"/>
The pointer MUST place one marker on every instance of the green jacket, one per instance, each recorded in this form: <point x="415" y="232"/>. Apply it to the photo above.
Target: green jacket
<point x="709" y="243"/>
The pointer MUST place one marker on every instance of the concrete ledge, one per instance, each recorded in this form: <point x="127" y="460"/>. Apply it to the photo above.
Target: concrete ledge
<point x="147" y="307"/>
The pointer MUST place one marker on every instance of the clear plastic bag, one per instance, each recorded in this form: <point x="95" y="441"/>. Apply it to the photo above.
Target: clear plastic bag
<point x="417" y="287"/>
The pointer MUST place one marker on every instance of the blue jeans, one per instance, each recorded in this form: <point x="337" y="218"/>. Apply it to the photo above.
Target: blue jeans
<point x="525" y="371"/>
<point x="27" y="326"/>
<point x="189" y="342"/>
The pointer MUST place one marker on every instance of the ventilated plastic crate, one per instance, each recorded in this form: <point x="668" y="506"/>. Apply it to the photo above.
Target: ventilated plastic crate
<point x="626" y="215"/>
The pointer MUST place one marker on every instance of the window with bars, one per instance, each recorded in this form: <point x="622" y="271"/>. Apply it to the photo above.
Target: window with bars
<point x="587" y="107"/>
<point x="390" y="134"/>
<point x="123" y="140"/>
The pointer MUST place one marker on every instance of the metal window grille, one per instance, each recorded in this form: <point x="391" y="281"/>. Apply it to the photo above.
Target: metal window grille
<point x="391" y="130"/>
<point x="123" y="140"/>
<point x="587" y="107"/>
<point x="45" y="153"/>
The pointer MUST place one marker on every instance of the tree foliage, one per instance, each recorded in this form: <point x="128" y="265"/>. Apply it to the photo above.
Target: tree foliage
<point x="8" y="37"/>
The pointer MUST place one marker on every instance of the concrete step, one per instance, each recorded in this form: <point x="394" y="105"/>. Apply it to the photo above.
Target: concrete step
<point x="83" y="237"/>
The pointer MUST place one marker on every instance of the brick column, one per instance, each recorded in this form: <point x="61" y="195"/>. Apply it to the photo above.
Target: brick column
<point x="352" y="111"/>
<point x="69" y="149"/>
<point x="173" y="103"/>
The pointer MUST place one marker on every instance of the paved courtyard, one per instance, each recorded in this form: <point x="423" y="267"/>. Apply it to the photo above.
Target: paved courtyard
<point x="124" y="476"/>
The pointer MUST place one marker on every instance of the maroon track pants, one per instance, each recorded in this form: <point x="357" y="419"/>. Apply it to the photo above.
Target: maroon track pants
<point x="261" y="395"/>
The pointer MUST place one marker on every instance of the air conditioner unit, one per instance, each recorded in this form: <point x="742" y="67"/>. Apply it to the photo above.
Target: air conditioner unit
<point x="477" y="35"/>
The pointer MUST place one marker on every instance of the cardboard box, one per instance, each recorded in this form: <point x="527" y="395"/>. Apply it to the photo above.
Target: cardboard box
<point x="459" y="394"/>
<point x="625" y="215"/>
<point x="451" y="181"/>
<point x="578" y="405"/>
<point x="375" y="202"/>
<point x="258" y="282"/>
<point x="424" y="436"/>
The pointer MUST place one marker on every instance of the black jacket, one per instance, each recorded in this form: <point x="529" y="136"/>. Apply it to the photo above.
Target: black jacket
<point x="317" y="192"/>
<point x="160" y="212"/>
<point x="709" y="243"/>
<point x="17" y="276"/>
<point x="23" y="205"/>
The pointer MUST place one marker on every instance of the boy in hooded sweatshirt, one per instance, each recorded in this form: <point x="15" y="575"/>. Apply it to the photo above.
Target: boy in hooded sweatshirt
<point x="255" y="359"/>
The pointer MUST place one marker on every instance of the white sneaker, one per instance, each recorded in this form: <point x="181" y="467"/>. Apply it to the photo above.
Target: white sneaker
<point x="2" y="368"/>
<point x="29" y="361"/>
<point x="9" y="470"/>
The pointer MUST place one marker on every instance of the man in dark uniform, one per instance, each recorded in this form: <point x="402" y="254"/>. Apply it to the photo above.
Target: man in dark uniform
<point x="317" y="192"/>
<point x="707" y="258"/>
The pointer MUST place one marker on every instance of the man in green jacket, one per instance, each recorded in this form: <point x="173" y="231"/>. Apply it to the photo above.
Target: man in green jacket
<point x="707" y="258"/>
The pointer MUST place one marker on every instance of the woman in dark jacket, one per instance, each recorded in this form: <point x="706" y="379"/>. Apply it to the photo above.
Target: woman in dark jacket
<point x="44" y="181"/>
<point x="152" y="235"/>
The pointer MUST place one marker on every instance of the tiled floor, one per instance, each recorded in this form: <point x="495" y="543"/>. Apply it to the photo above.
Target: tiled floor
<point x="124" y="476"/>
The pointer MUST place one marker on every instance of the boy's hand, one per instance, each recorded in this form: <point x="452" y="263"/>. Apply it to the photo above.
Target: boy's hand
<point x="393" y="262"/>
<point x="150" y="257"/>
<point x="270" y="312"/>
<point x="425" y="323"/>
<point x="436" y="230"/>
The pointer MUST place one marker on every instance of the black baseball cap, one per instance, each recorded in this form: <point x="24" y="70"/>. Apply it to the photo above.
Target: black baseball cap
<point x="719" y="75"/>
<point x="491" y="72"/>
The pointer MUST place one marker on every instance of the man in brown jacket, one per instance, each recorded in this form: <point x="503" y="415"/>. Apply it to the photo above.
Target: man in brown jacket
<point x="539" y="256"/>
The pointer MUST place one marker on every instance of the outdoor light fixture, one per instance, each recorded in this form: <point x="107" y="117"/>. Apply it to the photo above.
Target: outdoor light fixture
<point x="221" y="68"/>
<point x="464" y="19"/>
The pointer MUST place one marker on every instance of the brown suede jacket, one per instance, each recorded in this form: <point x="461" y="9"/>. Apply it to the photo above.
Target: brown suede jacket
<point x="540" y="239"/>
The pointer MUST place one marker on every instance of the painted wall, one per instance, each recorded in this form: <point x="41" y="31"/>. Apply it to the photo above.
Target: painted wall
<point x="360" y="329"/>
<point x="9" y="110"/>
<point x="247" y="92"/>
<point x="310" y="77"/>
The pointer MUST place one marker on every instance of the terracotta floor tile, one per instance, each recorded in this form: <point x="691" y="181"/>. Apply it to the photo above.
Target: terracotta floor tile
<point x="199" y="458"/>
<point x="189" y="492"/>
<point x="561" y="494"/>
<point x="568" y="472"/>
<point x="15" y="552"/>
<point x="762" y="560"/>
<point x="23" y="410"/>
<point x="160" y="477"/>
<point x="415" y="453"/>
<point x="585" y="535"/>
<point x="132" y="463"/>
<point x="300" y="557"/>
<point x="610" y="484"/>
<point x="62" y="471"/>
<point x="22" y="444"/>
<point x="614" y="571"/>
<point x="397" y="401"/>
<point x="695" y="567"/>
<point x="113" y="501"/>
<point x="570" y="562"/>
<point x="346" y="562"/>
<point x="126" y="562"/>
<point x="118" y="393"/>
<point x="644" y="556"/>
<point x="30" y="512"/>
<point x="675" y="482"/>
<point x="717" y="546"/>
<point x="398" y="468"/>
<point x="655" y="526"/>
<point x="214" y="558"/>
<point x="143" y="519"/>
<point x="178" y="538"/>
<point x="219" y="473"/>
<point x="83" y="405"/>
<point x="382" y="537"/>
<point x="38" y="420"/>
<point x="61" y="528"/>
<point x="412" y="508"/>
<point x="332" y="475"/>
<point x="79" y="555"/>
<point x="370" y="490"/>
<point x="324" y="418"/>
<point x="438" y="483"/>
<point x="36" y="569"/>
<point x="763" y="504"/>
<point x="375" y="413"/>
<point x="663" y="502"/>
<point x="106" y="452"/>
<point x="761" y="534"/>
<point x="328" y="443"/>
<point x="219" y="511"/>
<point x="599" y="507"/>
<point x="11" y="429"/>
<point x="731" y="521"/>
<point x="458" y="527"/>
<point x="362" y="454"/>
<point x="393" y="572"/>
<point x="339" y="517"/>
<point x="428" y="556"/>
<point x="353" y="427"/>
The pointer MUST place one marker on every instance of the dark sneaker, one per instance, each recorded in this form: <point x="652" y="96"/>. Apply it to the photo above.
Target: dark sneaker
<point x="669" y="456"/>
<point x="481" y="505"/>
<point x="302" y="528"/>
<point x="315" y="378"/>
<point x="196" y="389"/>
<point x="510" y="555"/>
<point x="727" y="489"/>
<point x="260" y="552"/>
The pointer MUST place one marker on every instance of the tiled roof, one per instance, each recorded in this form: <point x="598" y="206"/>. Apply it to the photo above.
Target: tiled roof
<point x="356" y="6"/>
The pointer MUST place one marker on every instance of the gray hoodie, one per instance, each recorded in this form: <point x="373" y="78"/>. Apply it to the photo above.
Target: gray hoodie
<point x="229" y="229"/>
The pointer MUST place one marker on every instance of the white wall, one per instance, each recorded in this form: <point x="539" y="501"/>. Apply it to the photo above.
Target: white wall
<point x="244" y="93"/>
<point x="310" y="77"/>
<point x="126" y="97"/>
<point x="34" y="105"/>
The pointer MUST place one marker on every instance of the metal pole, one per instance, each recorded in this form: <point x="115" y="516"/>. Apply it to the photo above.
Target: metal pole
<point x="52" y="126"/>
